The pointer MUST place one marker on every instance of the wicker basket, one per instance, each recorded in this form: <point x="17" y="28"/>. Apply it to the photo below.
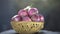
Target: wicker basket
<point x="27" y="27"/>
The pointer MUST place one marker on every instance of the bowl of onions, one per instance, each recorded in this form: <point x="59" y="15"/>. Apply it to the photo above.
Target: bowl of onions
<point x="27" y="21"/>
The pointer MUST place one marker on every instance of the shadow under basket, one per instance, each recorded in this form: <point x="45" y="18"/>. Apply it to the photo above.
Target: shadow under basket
<point x="24" y="27"/>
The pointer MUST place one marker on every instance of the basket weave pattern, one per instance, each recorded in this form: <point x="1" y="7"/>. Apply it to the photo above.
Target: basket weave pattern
<point x="27" y="27"/>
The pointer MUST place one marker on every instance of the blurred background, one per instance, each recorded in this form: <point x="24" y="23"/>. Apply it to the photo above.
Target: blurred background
<point x="49" y="8"/>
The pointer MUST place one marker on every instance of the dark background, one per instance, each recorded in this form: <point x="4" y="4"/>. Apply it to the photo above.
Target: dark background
<point x="49" y="8"/>
<point x="7" y="10"/>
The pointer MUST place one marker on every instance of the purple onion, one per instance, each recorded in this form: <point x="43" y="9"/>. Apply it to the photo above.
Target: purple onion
<point x="16" y="18"/>
<point x="32" y="11"/>
<point x="26" y="18"/>
<point x="22" y="13"/>
<point x="37" y="18"/>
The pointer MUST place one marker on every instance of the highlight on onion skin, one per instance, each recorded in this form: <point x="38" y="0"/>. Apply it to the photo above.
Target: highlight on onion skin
<point x="42" y="18"/>
<point x="32" y="11"/>
<point x="22" y="13"/>
<point x="26" y="18"/>
<point x="16" y="18"/>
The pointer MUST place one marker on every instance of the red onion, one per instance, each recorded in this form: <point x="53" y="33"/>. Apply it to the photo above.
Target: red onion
<point x="32" y="11"/>
<point x="22" y="13"/>
<point x="16" y="18"/>
<point x="26" y="18"/>
<point x="37" y="18"/>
